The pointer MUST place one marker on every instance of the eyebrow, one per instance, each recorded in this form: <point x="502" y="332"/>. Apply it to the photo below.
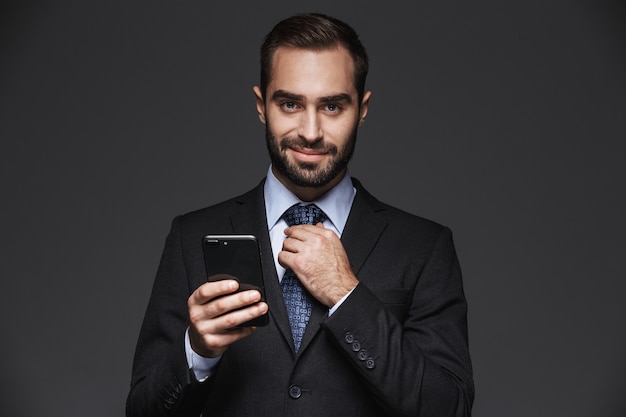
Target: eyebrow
<point x="278" y="94"/>
<point x="282" y="94"/>
<point x="337" y="97"/>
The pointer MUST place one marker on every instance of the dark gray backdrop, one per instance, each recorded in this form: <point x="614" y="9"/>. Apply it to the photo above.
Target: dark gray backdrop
<point x="504" y="120"/>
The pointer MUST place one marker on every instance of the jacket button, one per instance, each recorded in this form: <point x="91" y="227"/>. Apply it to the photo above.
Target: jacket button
<point x="348" y="337"/>
<point x="295" y="392"/>
<point x="362" y="355"/>
<point x="356" y="346"/>
<point x="370" y="363"/>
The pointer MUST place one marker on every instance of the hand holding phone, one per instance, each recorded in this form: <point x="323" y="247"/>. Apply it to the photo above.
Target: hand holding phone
<point x="216" y="311"/>
<point x="236" y="257"/>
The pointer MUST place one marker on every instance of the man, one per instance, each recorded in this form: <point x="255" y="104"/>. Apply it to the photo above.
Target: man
<point x="384" y="333"/>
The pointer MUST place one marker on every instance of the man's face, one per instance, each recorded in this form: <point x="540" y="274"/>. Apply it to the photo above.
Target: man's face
<point x="311" y="113"/>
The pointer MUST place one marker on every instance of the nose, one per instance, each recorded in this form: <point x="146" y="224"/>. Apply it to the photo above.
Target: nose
<point x="310" y="128"/>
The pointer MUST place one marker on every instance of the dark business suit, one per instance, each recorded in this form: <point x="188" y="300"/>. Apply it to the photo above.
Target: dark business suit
<point x="397" y="346"/>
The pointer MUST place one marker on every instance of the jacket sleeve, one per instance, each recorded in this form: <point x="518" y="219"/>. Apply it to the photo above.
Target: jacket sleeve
<point x="161" y="383"/>
<point x="419" y="366"/>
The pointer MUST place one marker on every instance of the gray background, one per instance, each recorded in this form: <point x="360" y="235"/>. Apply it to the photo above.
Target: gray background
<point x="504" y="120"/>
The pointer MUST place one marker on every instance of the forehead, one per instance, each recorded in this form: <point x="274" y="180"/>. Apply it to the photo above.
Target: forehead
<point x="312" y="72"/>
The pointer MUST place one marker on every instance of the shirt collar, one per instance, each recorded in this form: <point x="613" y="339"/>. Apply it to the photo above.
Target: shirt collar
<point x="335" y="203"/>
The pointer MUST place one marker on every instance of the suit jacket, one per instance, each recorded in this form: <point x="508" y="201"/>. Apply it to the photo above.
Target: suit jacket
<point x="396" y="347"/>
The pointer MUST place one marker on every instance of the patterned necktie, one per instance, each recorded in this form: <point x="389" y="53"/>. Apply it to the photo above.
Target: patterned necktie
<point x="297" y="299"/>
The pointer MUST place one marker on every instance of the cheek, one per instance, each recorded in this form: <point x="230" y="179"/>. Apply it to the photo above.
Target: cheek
<point x="339" y="132"/>
<point x="281" y="125"/>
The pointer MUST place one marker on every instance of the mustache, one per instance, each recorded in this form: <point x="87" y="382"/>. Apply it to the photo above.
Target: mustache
<point x="301" y="143"/>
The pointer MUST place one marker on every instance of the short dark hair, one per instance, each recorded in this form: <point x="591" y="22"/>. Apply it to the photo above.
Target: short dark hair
<point x="314" y="31"/>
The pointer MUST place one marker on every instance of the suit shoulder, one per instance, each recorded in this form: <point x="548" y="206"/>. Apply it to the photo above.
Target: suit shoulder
<point x="411" y="225"/>
<point x="223" y="209"/>
<point x="397" y="216"/>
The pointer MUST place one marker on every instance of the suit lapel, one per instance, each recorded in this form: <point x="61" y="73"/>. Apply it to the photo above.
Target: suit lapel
<point x="365" y="225"/>
<point x="250" y="218"/>
<point x="363" y="229"/>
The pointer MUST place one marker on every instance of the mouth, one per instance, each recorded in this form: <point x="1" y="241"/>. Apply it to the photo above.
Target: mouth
<point x="307" y="154"/>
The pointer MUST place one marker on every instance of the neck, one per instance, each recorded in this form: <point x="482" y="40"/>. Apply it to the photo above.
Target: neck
<point x="307" y="194"/>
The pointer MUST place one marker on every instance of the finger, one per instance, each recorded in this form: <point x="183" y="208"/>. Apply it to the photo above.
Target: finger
<point x="210" y="290"/>
<point x="299" y="229"/>
<point x="286" y="259"/>
<point x="218" y="343"/>
<point x="211" y="344"/>
<point x="303" y="230"/>
<point x="228" y="303"/>
<point x="293" y="245"/>
<point x="231" y="321"/>
<point x="209" y="318"/>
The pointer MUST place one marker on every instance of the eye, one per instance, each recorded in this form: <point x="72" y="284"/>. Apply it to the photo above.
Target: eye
<point x="288" y="105"/>
<point x="332" y="108"/>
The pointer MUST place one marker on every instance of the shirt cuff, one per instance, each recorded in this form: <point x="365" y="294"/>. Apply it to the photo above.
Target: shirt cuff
<point x="340" y="302"/>
<point x="202" y="367"/>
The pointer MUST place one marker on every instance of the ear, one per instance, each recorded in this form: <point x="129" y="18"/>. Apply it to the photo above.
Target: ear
<point x="260" y="104"/>
<point x="365" y="104"/>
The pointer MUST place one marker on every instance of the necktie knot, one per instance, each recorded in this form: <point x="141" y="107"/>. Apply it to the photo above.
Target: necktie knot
<point x="309" y="214"/>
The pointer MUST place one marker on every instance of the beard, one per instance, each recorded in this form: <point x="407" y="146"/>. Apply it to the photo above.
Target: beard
<point x="309" y="174"/>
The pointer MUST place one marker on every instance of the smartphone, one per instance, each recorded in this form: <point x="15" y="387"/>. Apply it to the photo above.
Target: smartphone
<point x="240" y="257"/>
